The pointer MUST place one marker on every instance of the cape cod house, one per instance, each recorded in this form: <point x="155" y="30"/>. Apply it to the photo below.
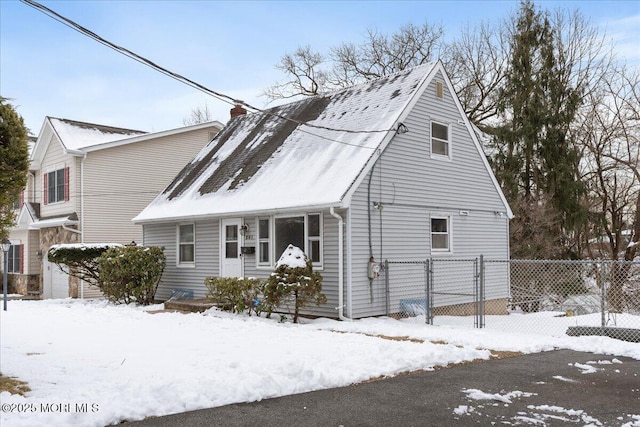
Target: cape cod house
<point x="389" y="169"/>
<point x="86" y="182"/>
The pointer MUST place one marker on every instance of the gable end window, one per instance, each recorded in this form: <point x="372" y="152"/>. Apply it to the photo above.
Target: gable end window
<point x="186" y="244"/>
<point x="56" y="185"/>
<point x="439" y="90"/>
<point x="440" y="139"/>
<point x="276" y="233"/>
<point x="441" y="234"/>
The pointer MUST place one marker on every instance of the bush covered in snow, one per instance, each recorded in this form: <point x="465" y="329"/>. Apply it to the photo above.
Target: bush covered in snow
<point x="293" y="279"/>
<point x="131" y="273"/>
<point x="80" y="260"/>
<point x="236" y="295"/>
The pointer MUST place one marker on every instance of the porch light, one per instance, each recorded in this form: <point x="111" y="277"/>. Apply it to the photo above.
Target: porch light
<point x="6" y="245"/>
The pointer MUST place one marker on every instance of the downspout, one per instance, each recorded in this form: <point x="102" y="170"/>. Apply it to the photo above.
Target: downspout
<point x="84" y="157"/>
<point x="341" y="315"/>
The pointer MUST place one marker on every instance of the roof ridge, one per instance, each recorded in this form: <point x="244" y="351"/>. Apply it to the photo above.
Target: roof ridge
<point x="108" y="128"/>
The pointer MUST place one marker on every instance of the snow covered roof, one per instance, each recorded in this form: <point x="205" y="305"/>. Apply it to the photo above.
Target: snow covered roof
<point x="262" y="162"/>
<point x="78" y="135"/>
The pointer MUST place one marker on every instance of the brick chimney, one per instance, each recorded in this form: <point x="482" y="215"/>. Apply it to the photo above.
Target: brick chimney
<point x="238" y="110"/>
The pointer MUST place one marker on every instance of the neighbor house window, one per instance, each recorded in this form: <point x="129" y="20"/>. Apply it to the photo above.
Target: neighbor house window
<point x="440" y="144"/>
<point x="56" y="186"/>
<point x="264" y="248"/>
<point x="186" y="244"/>
<point x="15" y="255"/>
<point x="440" y="234"/>
<point x="303" y="231"/>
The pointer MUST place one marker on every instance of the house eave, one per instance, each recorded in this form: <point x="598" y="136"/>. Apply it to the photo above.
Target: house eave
<point x="236" y="214"/>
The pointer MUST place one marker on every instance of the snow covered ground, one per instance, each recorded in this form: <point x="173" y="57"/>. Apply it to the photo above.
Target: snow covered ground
<point x="92" y="363"/>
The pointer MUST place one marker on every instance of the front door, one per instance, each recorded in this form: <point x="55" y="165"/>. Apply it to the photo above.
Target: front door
<point x="231" y="240"/>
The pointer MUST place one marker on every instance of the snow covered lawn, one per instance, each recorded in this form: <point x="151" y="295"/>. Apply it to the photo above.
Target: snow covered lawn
<point x="92" y="363"/>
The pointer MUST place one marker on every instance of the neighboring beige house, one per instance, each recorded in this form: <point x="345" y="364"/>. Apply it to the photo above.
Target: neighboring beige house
<point x="86" y="182"/>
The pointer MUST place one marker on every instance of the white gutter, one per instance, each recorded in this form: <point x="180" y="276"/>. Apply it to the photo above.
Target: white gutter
<point x="340" y="307"/>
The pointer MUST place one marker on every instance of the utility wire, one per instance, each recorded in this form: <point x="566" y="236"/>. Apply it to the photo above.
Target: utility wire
<point x="221" y="96"/>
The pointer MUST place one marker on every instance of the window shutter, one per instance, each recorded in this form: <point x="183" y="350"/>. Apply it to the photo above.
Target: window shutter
<point x="22" y="259"/>
<point x="66" y="184"/>
<point x="45" y="188"/>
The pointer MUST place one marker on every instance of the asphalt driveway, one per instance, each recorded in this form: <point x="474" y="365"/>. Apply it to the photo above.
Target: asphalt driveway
<point x="545" y="389"/>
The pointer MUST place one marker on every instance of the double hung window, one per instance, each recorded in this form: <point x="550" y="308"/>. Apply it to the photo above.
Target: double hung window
<point x="440" y="234"/>
<point x="186" y="244"/>
<point x="440" y="140"/>
<point x="56" y="185"/>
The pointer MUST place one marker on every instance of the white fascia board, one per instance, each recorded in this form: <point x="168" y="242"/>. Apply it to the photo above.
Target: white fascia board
<point x="238" y="214"/>
<point x="153" y="135"/>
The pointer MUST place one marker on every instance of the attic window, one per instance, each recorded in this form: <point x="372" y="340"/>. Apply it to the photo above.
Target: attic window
<point x="439" y="90"/>
<point x="440" y="139"/>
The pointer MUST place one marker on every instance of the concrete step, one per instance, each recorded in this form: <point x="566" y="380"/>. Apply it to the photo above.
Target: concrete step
<point x="191" y="306"/>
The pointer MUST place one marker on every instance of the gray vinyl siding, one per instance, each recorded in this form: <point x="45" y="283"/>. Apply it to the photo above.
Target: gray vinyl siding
<point x="412" y="187"/>
<point x="119" y="182"/>
<point x="329" y="269"/>
<point x="207" y="259"/>
<point x="183" y="277"/>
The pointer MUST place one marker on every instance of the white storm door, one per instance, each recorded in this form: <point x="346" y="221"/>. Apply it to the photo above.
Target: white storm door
<point x="230" y="242"/>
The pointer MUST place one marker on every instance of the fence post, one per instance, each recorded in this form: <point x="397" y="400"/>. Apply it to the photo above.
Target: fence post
<point x="476" y="295"/>
<point x="386" y="285"/>
<point x="428" y="313"/>
<point x="603" y="296"/>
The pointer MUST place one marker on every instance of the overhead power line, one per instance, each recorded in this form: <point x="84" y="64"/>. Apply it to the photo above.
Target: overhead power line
<point x="219" y="95"/>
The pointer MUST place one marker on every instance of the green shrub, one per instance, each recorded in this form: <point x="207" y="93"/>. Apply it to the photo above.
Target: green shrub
<point x="80" y="260"/>
<point x="131" y="273"/>
<point x="293" y="279"/>
<point x="236" y="295"/>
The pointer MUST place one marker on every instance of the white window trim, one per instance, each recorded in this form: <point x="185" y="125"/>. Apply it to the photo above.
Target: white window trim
<point x="272" y="232"/>
<point x="269" y="242"/>
<point x="56" y="168"/>
<point x="185" y="264"/>
<point x="449" y="220"/>
<point x="319" y="264"/>
<point x="449" y="145"/>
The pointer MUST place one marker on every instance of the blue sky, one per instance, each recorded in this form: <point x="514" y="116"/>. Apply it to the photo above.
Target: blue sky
<point x="47" y="68"/>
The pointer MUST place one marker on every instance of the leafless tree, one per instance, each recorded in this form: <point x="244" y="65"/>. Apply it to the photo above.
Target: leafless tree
<point x="200" y="114"/>
<point x="311" y="73"/>
<point x="477" y="63"/>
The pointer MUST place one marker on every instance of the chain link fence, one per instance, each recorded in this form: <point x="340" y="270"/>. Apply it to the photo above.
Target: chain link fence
<point x="431" y="288"/>
<point x="560" y="297"/>
<point x="548" y="297"/>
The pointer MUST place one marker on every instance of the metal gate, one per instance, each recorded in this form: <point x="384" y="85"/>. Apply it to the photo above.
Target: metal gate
<point x="435" y="287"/>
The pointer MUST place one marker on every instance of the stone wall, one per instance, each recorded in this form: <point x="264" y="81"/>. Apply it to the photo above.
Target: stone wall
<point x="23" y="283"/>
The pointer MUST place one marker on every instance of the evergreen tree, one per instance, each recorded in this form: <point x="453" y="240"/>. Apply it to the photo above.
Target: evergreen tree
<point x="534" y="160"/>
<point x="14" y="163"/>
